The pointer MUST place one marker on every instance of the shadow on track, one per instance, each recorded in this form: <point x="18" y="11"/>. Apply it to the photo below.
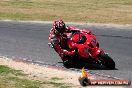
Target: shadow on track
<point x="97" y="67"/>
<point x="87" y="66"/>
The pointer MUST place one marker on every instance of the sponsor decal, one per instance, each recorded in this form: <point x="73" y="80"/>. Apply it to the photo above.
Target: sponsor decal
<point x="86" y="81"/>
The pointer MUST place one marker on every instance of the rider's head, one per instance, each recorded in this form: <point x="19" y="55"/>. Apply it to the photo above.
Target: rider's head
<point x="59" y="26"/>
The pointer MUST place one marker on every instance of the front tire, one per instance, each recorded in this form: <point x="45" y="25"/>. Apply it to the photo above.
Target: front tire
<point x="106" y="60"/>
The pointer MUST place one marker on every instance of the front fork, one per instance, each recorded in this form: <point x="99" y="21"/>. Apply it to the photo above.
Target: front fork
<point x="96" y="53"/>
<point x="96" y="56"/>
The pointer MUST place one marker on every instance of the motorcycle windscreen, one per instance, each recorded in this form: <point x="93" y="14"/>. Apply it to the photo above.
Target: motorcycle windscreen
<point x="79" y="38"/>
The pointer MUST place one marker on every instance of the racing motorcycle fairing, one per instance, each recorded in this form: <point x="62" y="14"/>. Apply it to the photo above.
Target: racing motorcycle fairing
<point x="86" y="45"/>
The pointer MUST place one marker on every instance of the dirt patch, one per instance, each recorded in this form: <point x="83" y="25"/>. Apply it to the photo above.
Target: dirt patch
<point x="36" y="72"/>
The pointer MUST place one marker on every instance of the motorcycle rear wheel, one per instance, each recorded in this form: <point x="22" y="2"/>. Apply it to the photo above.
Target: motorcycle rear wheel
<point x="106" y="60"/>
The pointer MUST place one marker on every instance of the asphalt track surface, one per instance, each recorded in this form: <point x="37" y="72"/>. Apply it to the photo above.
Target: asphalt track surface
<point x="29" y="41"/>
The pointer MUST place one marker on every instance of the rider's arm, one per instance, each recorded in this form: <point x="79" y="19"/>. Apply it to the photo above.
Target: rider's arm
<point x="63" y="52"/>
<point x="55" y="42"/>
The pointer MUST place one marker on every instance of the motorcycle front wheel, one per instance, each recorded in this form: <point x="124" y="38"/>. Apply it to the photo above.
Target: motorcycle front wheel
<point x="106" y="60"/>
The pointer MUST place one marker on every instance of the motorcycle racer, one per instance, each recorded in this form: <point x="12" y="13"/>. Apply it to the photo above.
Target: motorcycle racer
<point x="58" y="37"/>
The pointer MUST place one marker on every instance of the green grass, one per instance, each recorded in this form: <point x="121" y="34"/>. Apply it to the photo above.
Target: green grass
<point x="56" y="78"/>
<point x="97" y="11"/>
<point x="58" y="85"/>
<point x="4" y="70"/>
<point x="24" y="83"/>
<point x="10" y="78"/>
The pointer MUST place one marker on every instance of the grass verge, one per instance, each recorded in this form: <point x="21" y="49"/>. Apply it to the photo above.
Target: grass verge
<point x="97" y="11"/>
<point x="10" y="78"/>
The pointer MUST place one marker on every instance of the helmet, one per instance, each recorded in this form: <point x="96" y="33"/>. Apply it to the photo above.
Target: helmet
<point x="59" y="26"/>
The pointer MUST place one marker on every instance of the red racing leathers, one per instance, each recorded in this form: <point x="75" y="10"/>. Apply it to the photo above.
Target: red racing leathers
<point x="59" y="41"/>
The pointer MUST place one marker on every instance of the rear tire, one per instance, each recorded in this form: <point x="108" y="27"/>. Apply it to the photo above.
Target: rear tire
<point x="107" y="60"/>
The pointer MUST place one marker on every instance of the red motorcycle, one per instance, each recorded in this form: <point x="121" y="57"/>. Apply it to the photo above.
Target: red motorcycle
<point x="88" y="48"/>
